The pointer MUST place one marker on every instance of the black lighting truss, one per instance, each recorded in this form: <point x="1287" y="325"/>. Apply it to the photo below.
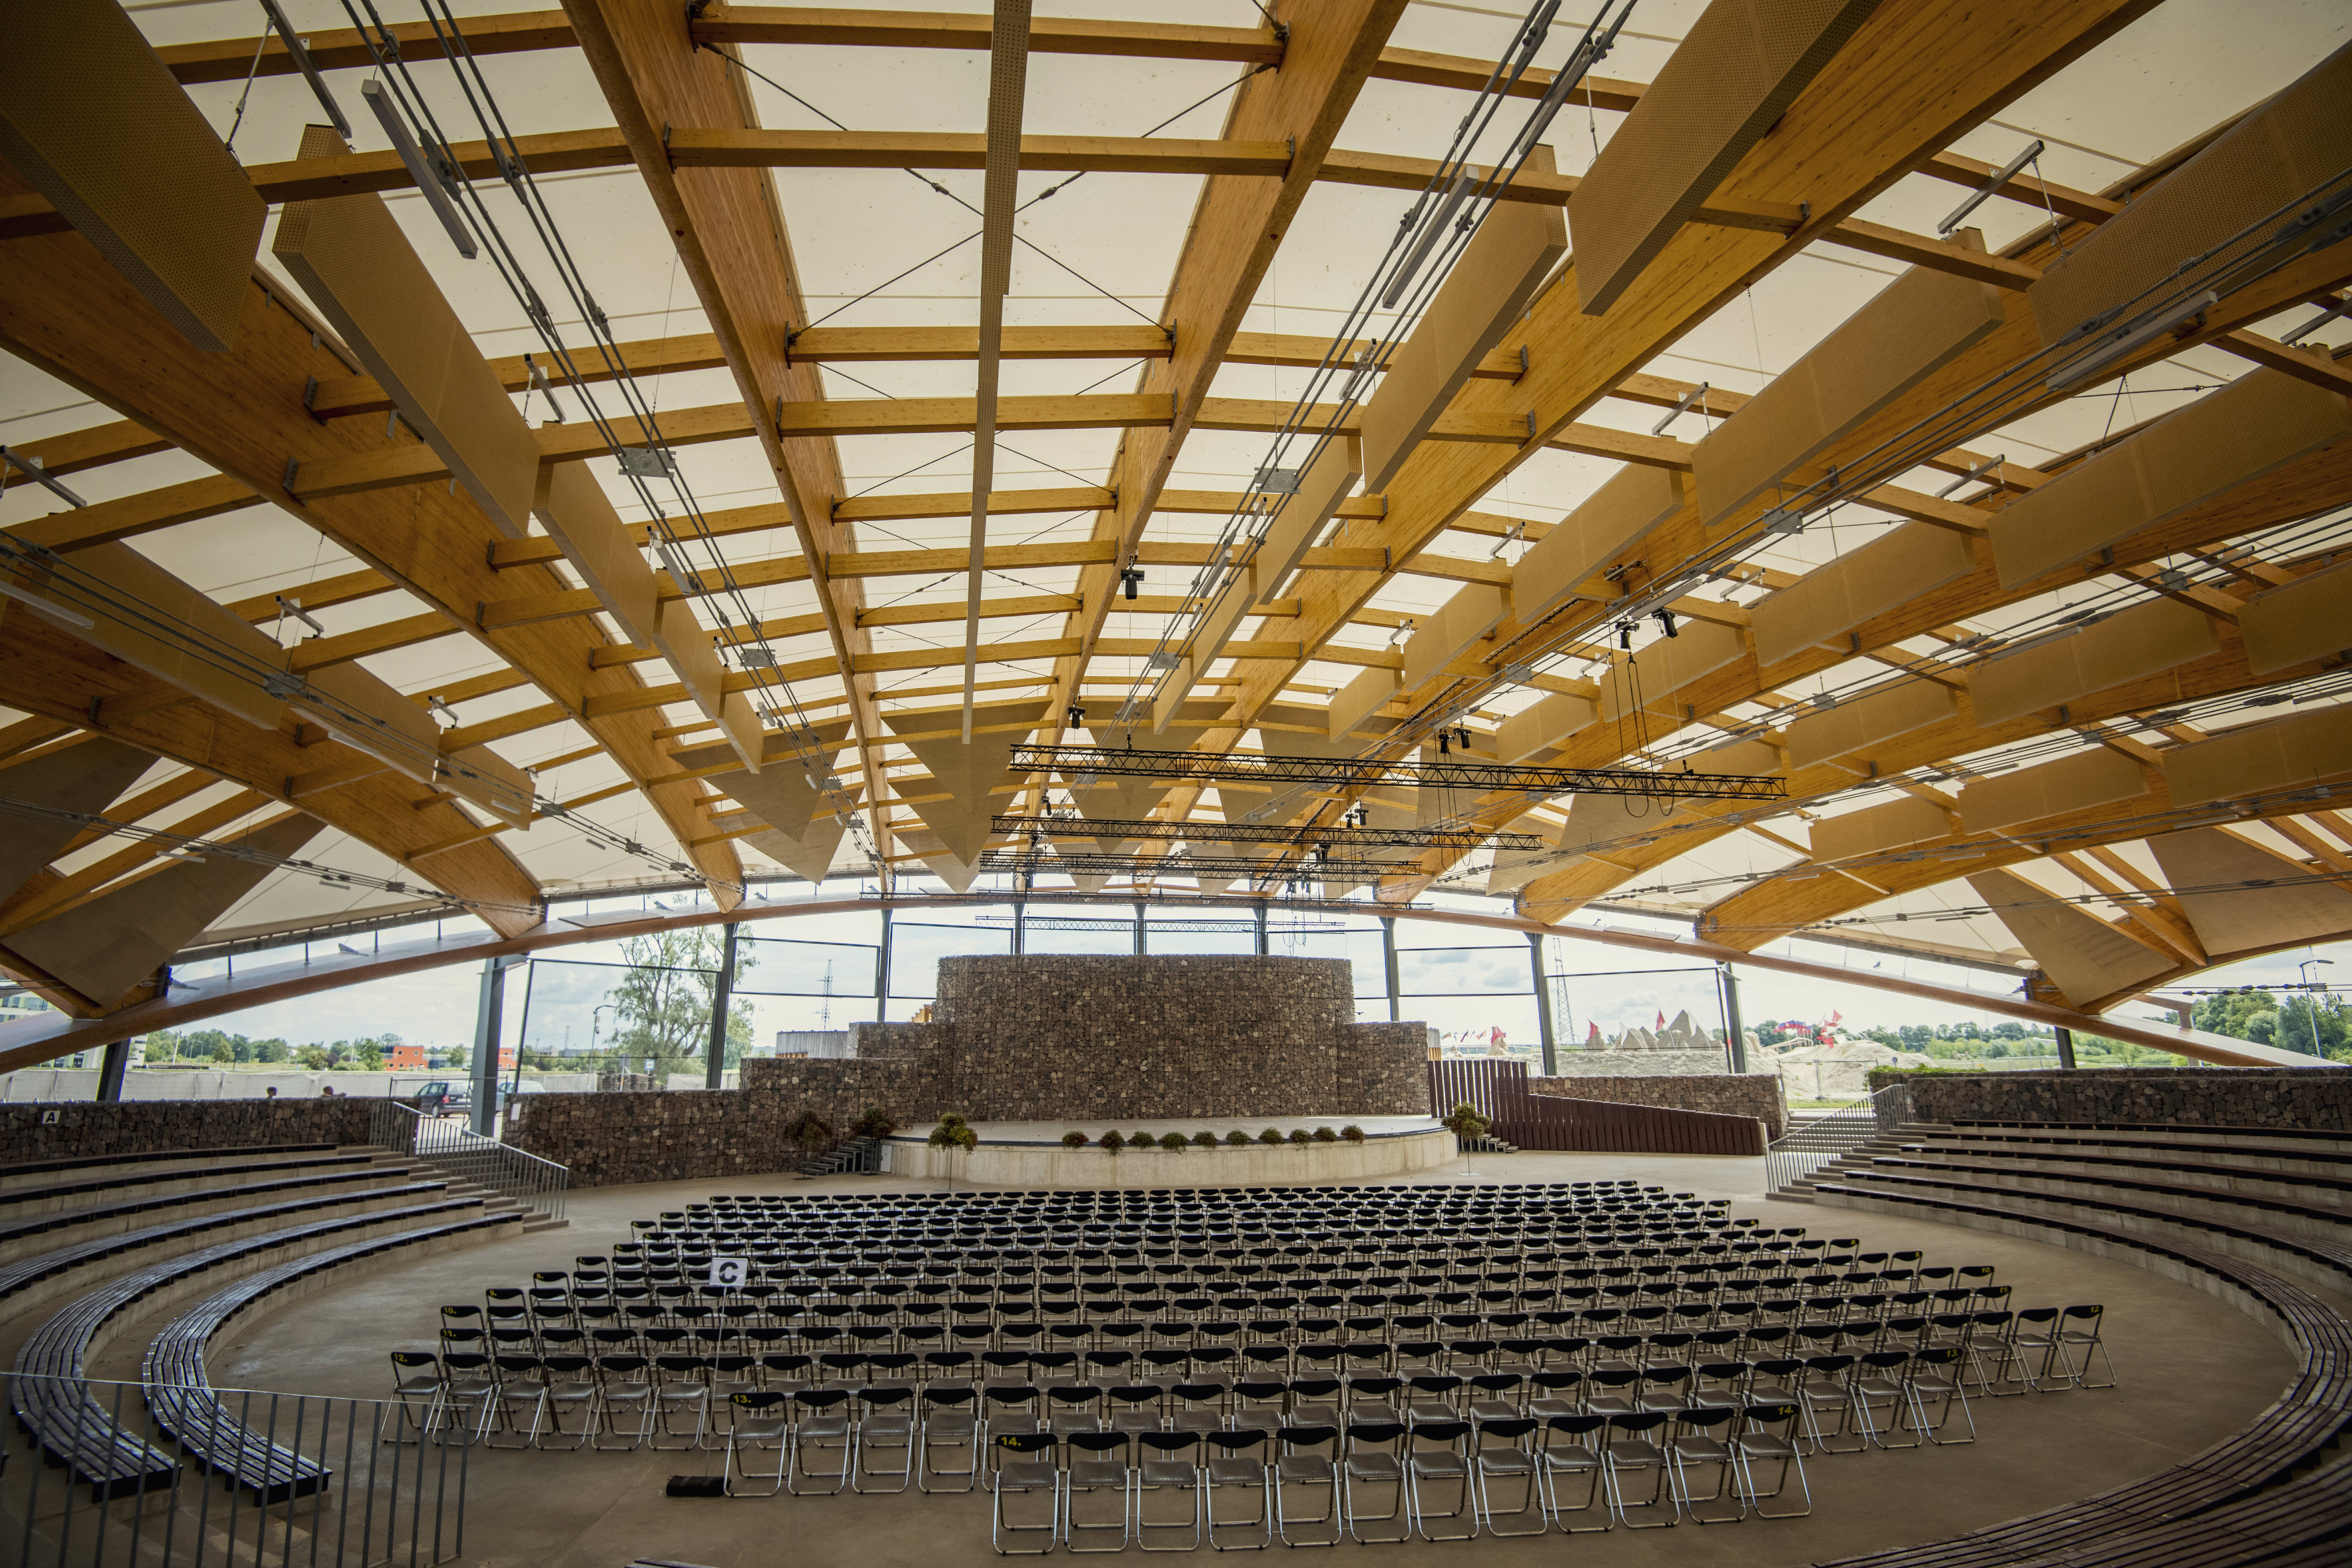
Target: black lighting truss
<point x="1295" y="835"/>
<point x="1206" y="767"/>
<point x="1094" y="863"/>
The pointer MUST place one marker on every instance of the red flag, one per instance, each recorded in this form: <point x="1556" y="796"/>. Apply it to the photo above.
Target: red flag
<point x="1662" y="1018"/>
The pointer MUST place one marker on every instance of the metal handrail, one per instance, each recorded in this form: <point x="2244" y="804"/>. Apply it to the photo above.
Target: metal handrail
<point x="1806" y="1147"/>
<point x="538" y="1185"/>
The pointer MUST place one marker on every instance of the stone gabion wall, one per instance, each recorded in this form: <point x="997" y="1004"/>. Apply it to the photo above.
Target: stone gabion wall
<point x="1756" y="1094"/>
<point x="159" y="1126"/>
<point x="1035" y="1037"/>
<point x="1639" y="1064"/>
<point x="2315" y="1098"/>
<point x="1042" y="1036"/>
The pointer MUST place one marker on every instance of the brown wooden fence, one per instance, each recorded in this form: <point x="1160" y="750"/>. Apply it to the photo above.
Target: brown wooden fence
<point x="1546" y="1122"/>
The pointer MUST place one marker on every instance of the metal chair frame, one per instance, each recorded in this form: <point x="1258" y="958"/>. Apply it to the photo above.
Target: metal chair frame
<point x="1785" y="1446"/>
<point x="752" y="1427"/>
<point x="1015" y="1471"/>
<point x="1226" y="1471"/>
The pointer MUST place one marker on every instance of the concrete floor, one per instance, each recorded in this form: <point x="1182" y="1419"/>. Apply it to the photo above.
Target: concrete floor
<point x="2192" y="1370"/>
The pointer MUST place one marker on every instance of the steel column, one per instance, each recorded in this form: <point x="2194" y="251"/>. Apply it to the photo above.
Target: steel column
<point x="882" y="972"/>
<point x="2066" y="1049"/>
<point x="1261" y="928"/>
<point x="110" y="1068"/>
<point x="489" y="1018"/>
<point x="1543" y="1003"/>
<point x="1389" y="958"/>
<point x="1733" y="1038"/>
<point x="714" y="1069"/>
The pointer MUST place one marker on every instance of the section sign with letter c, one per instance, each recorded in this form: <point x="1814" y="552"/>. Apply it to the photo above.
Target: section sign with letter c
<point x="728" y="1273"/>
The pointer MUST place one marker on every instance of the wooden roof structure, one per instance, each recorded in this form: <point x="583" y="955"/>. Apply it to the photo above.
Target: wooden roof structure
<point x="2035" y="625"/>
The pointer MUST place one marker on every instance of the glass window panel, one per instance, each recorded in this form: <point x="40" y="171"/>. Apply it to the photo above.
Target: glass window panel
<point x="1503" y="1027"/>
<point x="1594" y="1010"/>
<point x="775" y="967"/>
<point x="915" y="951"/>
<point x="1463" y="971"/>
<point x="1191" y="939"/>
<point x="1119" y="939"/>
<point x="1361" y="949"/>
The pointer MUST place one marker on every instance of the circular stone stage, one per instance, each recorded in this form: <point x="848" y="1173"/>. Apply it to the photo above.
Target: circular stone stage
<point x="1031" y="1153"/>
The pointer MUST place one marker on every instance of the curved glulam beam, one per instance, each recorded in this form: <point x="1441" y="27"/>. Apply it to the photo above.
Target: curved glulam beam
<point x="64" y="312"/>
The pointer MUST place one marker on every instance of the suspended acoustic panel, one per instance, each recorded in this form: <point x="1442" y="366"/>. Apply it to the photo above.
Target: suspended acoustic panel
<point x="966" y="773"/>
<point x="1913" y="328"/>
<point x="1611" y="828"/>
<point x="1737" y="70"/>
<point x="1540" y="728"/>
<point x="1515" y="868"/>
<point x="1454" y="627"/>
<point x="1482" y="298"/>
<point x="85" y="776"/>
<point x="810" y="854"/>
<point x="2299" y="621"/>
<point x="2087" y="959"/>
<point x="2309" y="749"/>
<point x="956" y="871"/>
<point x="2092" y="778"/>
<point x="1879" y="830"/>
<point x="782" y="795"/>
<point x="579" y="516"/>
<point x="94" y="121"/>
<point x="1667" y="665"/>
<point x="119" y="590"/>
<point x="366" y="712"/>
<point x="1897" y="568"/>
<point x="480" y="776"/>
<point x="694" y="656"/>
<point x="1865" y="721"/>
<point x="351" y="257"/>
<point x="1364" y="696"/>
<point x="2241" y="900"/>
<point x="1617" y="514"/>
<point x="2281" y="153"/>
<point x="2137" y="642"/>
<point x="116" y="940"/>
<point x="1330" y="478"/>
<point x="1753" y="759"/>
<point x="2262" y="421"/>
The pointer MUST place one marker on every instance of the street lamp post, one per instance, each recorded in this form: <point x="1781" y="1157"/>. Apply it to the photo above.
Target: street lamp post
<point x="2304" y="969"/>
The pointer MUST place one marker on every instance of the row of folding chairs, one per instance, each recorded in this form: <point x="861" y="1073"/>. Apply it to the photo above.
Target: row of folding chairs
<point x="1373" y="1482"/>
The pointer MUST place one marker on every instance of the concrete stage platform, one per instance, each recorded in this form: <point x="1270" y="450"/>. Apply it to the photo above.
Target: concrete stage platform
<point x="1029" y="1153"/>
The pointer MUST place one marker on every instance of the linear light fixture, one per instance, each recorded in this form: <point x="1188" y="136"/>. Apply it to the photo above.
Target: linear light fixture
<point x="1693" y="395"/>
<point x="55" y="612"/>
<point x="31" y="468"/>
<point x="297" y="50"/>
<point x="1990" y="188"/>
<point x="428" y="179"/>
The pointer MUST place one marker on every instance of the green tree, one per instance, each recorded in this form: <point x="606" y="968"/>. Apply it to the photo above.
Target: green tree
<point x="366" y="1057"/>
<point x="270" y="1050"/>
<point x="661" y="1007"/>
<point x="458" y="1057"/>
<point x="312" y="1056"/>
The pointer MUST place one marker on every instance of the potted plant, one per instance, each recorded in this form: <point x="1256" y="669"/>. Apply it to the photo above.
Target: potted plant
<point x="1325" y="1135"/>
<point x="1269" y="1136"/>
<point x="953" y="1132"/>
<point x="1466" y="1123"/>
<point x="809" y="1131"/>
<point x="1074" y="1140"/>
<point x="1237" y="1139"/>
<point x="1352" y="1133"/>
<point x="873" y="1122"/>
<point x="1141" y="1141"/>
<point x="1173" y="1141"/>
<point x="1112" y="1143"/>
<point x="1299" y="1135"/>
<point x="1204" y="1140"/>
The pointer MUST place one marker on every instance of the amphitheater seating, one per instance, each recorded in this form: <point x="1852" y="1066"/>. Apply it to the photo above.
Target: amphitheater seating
<point x="68" y="1422"/>
<point x="2155" y="1195"/>
<point x="34" y="1219"/>
<point x="103" y="1169"/>
<point x="29" y="1281"/>
<point x="180" y="1393"/>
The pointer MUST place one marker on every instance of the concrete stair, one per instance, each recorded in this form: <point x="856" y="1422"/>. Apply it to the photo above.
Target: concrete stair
<point x="1887" y="1141"/>
<point x="859" y="1155"/>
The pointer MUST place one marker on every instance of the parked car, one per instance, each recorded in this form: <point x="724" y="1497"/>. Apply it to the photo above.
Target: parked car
<point x="444" y="1097"/>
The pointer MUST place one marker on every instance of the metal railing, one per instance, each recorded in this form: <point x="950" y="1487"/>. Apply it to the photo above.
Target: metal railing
<point x="459" y="1152"/>
<point x="353" y="1486"/>
<point x="1809" y="1145"/>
